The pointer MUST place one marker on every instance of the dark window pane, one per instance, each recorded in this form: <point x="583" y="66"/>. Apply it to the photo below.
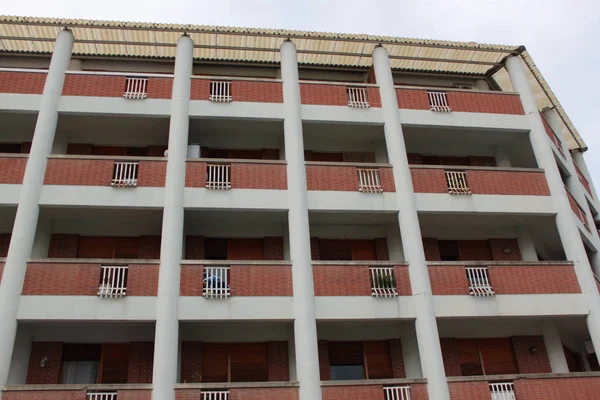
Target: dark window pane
<point x="448" y="250"/>
<point x="215" y="249"/>
<point x="346" y="372"/>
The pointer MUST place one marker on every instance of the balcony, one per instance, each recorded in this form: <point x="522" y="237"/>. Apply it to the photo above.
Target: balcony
<point x="578" y="210"/>
<point x="340" y="94"/>
<point x="230" y="391"/>
<point x="18" y="82"/>
<point x="457" y="100"/>
<point x="128" y="86"/>
<point x="225" y="174"/>
<point x="12" y="168"/>
<point x="83" y="392"/>
<point x="553" y="136"/>
<point x="388" y="389"/>
<point x="341" y="177"/>
<point x="232" y="90"/>
<point x="355" y="278"/>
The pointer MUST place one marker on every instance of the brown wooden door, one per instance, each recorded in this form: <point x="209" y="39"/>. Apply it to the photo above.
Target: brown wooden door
<point x="246" y="249"/>
<point x="114" y="363"/>
<point x="215" y="362"/>
<point x="248" y="362"/>
<point x="498" y="356"/>
<point x="335" y="249"/>
<point x="470" y="360"/>
<point x="363" y="250"/>
<point x="378" y="361"/>
<point x="96" y="247"/>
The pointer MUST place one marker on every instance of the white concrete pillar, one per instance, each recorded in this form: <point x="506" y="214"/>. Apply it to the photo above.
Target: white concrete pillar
<point x="482" y="84"/>
<point x="292" y="354"/>
<point x="565" y="219"/>
<point x="394" y="243"/>
<point x="305" y="328"/>
<point x="167" y="323"/>
<point x="526" y="243"/>
<point x="43" y="235"/>
<point x="61" y="142"/>
<point x="426" y="326"/>
<point x="28" y="210"/>
<point x="502" y="157"/>
<point x="554" y="348"/>
<point x="20" y="358"/>
<point x="410" y="353"/>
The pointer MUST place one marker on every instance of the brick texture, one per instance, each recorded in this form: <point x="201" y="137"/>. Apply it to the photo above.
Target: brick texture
<point x="149" y="248"/>
<point x="417" y="99"/>
<point x="63" y="246"/>
<point x="248" y="91"/>
<point x="557" y="388"/>
<point x="245" y="280"/>
<point x="363" y="392"/>
<point x="469" y="390"/>
<point x="531" y="363"/>
<point x="243" y="176"/>
<point x="533" y="279"/>
<point x="92" y="172"/>
<point x="290" y="393"/>
<point x="431" y="249"/>
<point x="12" y="169"/>
<point x="450" y="356"/>
<point x="576" y="209"/>
<point x="134" y="394"/>
<point x="274" y="248"/>
<point x="324" y="372"/>
<point x="448" y="280"/>
<point x="342" y="178"/>
<point x="333" y="95"/>
<point x="397" y="359"/>
<point x="191" y="361"/>
<point x="418" y="391"/>
<point x="141" y="360"/>
<point x="50" y="374"/>
<point x="353" y="280"/>
<point x="22" y="82"/>
<point x="194" y="247"/>
<point x="381" y="249"/>
<point x="277" y="354"/>
<point x="428" y="180"/>
<point x="46" y="395"/>
<point x="94" y="85"/>
<point x="83" y="279"/>
<point x="497" y="247"/>
<point x="159" y="88"/>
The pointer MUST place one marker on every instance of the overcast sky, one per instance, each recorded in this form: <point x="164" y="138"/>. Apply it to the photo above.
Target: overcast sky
<point x="562" y="36"/>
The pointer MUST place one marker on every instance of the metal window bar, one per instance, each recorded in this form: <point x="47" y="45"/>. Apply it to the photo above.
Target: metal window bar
<point x="102" y="396"/>
<point x="357" y="97"/>
<point x="216" y="282"/>
<point x="438" y="101"/>
<point x="502" y="391"/>
<point x="397" y="392"/>
<point x="218" y="176"/>
<point x="479" y="282"/>
<point x="220" y="91"/>
<point x="125" y="174"/>
<point x="113" y="282"/>
<point x="457" y="182"/>
<point x="383" y="282"/>
<point x="215" y="395"/>
<point x="136" y="88"/>
<point x="369" y="180"/>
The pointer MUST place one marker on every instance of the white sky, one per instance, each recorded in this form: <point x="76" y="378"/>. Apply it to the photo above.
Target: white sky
<point x="562" y="36"/>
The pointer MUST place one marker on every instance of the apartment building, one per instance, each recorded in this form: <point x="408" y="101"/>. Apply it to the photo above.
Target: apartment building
<point x="192" y="212"/>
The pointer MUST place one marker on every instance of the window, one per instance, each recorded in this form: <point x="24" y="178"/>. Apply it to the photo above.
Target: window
<point x="81" y="363"/>
<point x="486" y="357"/>
<point x="10" y="147"/>
<point x="238" y="362"/>
<point x="359" y="360"/>
<point x="215" y="249"/>
<point x="448" y="250"/>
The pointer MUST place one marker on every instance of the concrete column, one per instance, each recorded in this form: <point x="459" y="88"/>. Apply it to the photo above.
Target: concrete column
<point x="482" y="84"/>
<point x="20" y="358"/>
<point x="305" y="328"/>
<point x="43" y="235"/>
<point x="502" y="157"/>
<point x="394" y="242"/>
<point x="167" y="323"/>
<point x="526" y="243"/>
<point x="410" y="353"/>
<point x="292" y="355"/>
<point x="565" y="220"/>
<point x="426" y="326"/>
<point x="554" y="348"/>
<point x="28" y="210"/>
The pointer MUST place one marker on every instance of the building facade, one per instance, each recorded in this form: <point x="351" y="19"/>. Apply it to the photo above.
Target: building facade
<point x="238" y="214"/>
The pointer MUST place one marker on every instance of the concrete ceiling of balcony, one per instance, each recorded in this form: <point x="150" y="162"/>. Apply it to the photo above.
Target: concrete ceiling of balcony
<point x="478" y="226"/>
<point x="17" y="127"/>
<point x="88" y="331"/>
<point x="7" y="218"/>
<point x="336" y="132"/>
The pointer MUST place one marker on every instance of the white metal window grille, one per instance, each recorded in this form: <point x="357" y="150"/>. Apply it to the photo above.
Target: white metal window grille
<point x="383" y="282"/>
<point x="479" y="282"/>
<point x="113" y="282"/>
<point x="125" y="174"/>
<point x="502" y="391"/>
<point x="102" y="396"/>
<point x="457" y="182"/>
<point x="369" y="180"/>
<point x="218" y="176"/>
<point x="438" y="101"/>
<point x="220" y="91"/>
<point x="136" y="88"/>
<point x="357" y="97"/>
<point x="397" y="393"/>
<point x="215" y="395"/>
<point x="216" y="282"/>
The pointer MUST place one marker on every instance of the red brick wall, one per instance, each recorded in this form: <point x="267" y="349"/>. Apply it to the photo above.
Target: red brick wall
<point x="557" y="388"/>
<point x="50" y="374"/>
<point x="531" y="363"/>
<point x="99" y="172"/>
<point x="194" y="247"/>
<point x="159" y="88"/>
<point x="343" y="178"/>
<point x="450" y="356"/>
<point x="63" y="246"/>
<point x="381" y="249"/>
<point x="134" y="394"/>
<point x="353" y="280"/>
<point x="277" y="353"/>
<point x="418" y="391"/>
<point x="427" y="180"/>
<point x="274" y="248"/>
<point x="363" y="392"/>
<point x="195" y="174"/>
<point x="12" y="169"/>
<point x="448" y="280"/>
<point x="583" y="180"/>
<point x="469" y="390"/>
<point x="141" y="360"/>
<point x="22" y="82"/>
<point x="245" y="280"/>
<point x="94" y="85"/>
<point x="290" y="393"/>
<point x="149" y="248"/>
<point x="533" y="279"/>
<point x="243" y="176"/>
<point x="431" y="249"/>
<point x="46" y="395"/>
<point x="324" y="372"/>
<point x="497" y="247"/>
<point x="191" y="361"/>
<point x="576" y="209"/>
<point x="333" y="95"/>
<point x="249" y="91"/>
<point x="417" y="99"/>
<point x="83" y="279"/>
<point x="397" y="358"/>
